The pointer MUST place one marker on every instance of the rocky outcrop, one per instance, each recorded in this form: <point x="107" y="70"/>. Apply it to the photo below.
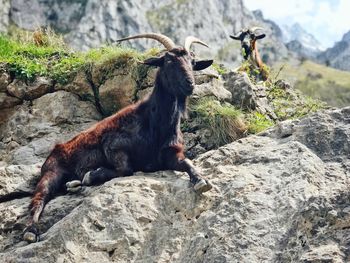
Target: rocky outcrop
<point x="337" y="56"/>
<point x="279" y="197"/>
<point x="87" y="24"/>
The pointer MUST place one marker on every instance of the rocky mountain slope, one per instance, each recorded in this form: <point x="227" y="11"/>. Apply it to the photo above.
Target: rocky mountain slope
<point x="339" y="55"/>
<point x="91" y="23"/>
<point x="300" y="42"/>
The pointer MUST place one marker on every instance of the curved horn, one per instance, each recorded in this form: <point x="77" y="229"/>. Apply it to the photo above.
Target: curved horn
<point x="238" y="35"/>
<point x="191" y="40"/>
<point x="166" y="41"/>
<point x="254" y="28"/>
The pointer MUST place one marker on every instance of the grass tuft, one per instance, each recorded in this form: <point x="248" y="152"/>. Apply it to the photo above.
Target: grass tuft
<point x="258" y="122"/>
<point x="224" y="122"/>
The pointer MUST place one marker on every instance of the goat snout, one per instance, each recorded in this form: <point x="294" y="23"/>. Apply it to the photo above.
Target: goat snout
<point x="188" y="86"/>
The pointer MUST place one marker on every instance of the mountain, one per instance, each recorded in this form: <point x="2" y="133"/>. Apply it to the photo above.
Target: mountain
<point x="299" y="41"/>
<point x="91" y="23"/>
<point x="339" y="55"/>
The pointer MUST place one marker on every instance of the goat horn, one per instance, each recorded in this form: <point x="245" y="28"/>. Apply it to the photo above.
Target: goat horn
<point x="191" y="40"/>
<point x="166" y="41"/>
<point x="254" y="28"/>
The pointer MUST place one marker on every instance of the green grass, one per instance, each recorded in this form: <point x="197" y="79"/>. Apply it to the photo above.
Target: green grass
<point x="26" y="60"/>
<point x="258" y="122"/>
<point x="220" y="69"/>
<point x="320" y="82"/>
<point x="224" y="122"/>
<point x="292" y="104"/>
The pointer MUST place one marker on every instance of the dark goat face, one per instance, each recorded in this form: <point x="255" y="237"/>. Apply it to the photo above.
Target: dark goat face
<point x="176" y="70"/>
<point x="247" y="38"/>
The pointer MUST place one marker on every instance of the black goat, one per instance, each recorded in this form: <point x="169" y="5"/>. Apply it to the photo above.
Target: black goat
<point x="144" y="136"/>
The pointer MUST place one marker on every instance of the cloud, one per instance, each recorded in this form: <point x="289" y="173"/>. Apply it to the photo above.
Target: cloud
<point x="327" y="20"/>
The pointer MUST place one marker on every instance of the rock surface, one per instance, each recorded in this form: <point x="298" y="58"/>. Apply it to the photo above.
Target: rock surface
<point x="279" y="197"/>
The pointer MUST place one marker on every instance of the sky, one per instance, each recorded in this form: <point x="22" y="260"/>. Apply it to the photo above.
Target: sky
<point x="327" y="20"/>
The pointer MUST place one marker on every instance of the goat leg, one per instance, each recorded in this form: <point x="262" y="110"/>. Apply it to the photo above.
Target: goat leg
<point x="175" y="162"/>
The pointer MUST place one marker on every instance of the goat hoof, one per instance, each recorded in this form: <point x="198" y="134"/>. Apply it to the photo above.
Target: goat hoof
<point x="73" y="184"/>
<point x="202" y="186"/>
<point x="74" y="189"/>
<point x="87" y="178"/>
<point x="31" y="235"/>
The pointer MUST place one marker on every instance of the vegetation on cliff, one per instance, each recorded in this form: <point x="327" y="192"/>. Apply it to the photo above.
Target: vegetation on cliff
<point x="27" y="56"/>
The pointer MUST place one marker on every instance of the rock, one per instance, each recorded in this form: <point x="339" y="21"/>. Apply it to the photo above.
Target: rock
<point x="276" y="199"/>
<point x="116" y="93"/>
<point x="36" y="89"/>
<point x="283" y="84"/>
<point x="247" y="96"/>
<point x="4" y="15"/>
<point x="327" y="133"/>
<point x="8" y="101"/>
<point x="18" y="178"/>
<point x="205" y="75"/>
<point x="141" y="94"/>
<point x="242" y="90"/>
<point x="213" y="88"/>
<point x="64" y="107"/>
<point x="79" y="86"/>
<point x="32" y="130"/>
<point x="5" y="80"/>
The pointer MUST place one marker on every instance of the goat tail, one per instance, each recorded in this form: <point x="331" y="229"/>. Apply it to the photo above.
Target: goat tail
<point x="49" y="184"/>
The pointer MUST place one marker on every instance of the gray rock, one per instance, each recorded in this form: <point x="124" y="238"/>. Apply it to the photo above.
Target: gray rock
<point x="327" y="133"/>
<point x="247" y="96"/>
<point x="30" y="91"/>
<point x="4" y="15"/>
<point x="213" y="88"/>
<point x="18" y="178"/>
<point x="277" y="198"/>
<point x="32" y="130"/>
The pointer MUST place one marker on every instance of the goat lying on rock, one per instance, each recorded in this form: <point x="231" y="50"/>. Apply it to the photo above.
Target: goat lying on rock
<point x="144" y="136"/>
<point x="248" y="38"/>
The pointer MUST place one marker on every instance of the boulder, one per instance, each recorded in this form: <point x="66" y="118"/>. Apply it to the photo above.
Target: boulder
<point x="213" y="88"/>
<point x="32" y="130"/>
<point x="29" y="91"/>
<point x="8" y="101"/>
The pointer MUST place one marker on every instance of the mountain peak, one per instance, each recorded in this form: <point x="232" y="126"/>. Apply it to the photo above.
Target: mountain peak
<point x="346" y="37"/>
<point x="296" y="32"/>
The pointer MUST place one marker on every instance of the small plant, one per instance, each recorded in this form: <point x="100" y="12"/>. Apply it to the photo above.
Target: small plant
<point x="254" y="73"/>
<point x="220" y="69"/>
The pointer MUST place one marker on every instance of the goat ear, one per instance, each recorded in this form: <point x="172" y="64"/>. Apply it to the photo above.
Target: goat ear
<point x="236" y="37"/>
<point x="202" y="64"/>
<point x="260" y="36"/>
<point x="157" y="62"/>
